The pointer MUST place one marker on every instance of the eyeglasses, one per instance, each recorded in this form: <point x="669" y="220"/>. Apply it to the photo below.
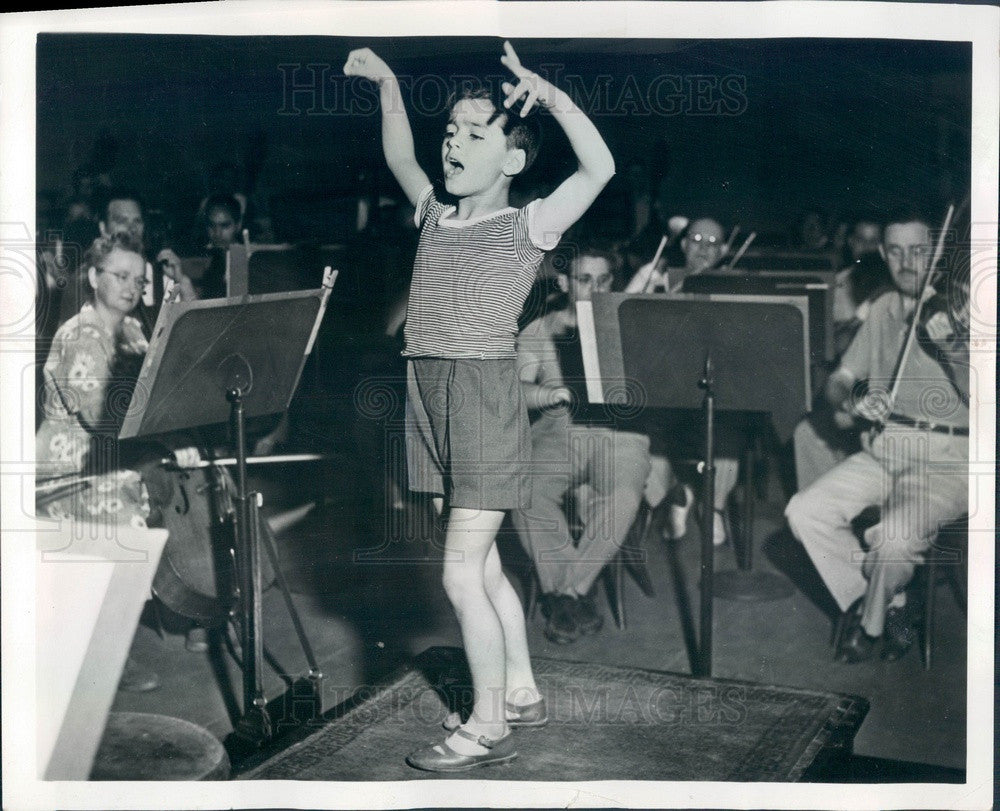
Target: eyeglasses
<point x="139" y="283"/>
<point x="583" y="278"/>
<point x="709" y="239"/>
<point x="914" y="252"/>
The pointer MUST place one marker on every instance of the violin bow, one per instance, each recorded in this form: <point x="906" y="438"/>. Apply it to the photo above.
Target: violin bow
<point x="729" y="242"/>
<point x="277" y="459"/>
<point x="655" y="262"/>
<point x="743" y="249"/>
<point x="49" y="492"/>
<point x="911" y="335"/>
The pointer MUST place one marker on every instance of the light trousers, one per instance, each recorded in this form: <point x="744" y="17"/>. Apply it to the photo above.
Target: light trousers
<point x="613" y="465"/>
<point x="920" y="481"/>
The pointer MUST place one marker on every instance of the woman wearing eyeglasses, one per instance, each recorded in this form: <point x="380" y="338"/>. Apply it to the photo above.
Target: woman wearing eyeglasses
<point x="88" y="381"/>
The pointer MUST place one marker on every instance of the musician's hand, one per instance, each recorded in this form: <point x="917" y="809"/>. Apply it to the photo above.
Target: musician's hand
<point x="265" y="445"/>
<point x="648" y="278"/>
<point x="839" y="389"/>
<point x="866" y="440"/>
<point x="171" y="264"/>
<point x="873" y="406"/>
<point x="187" y="457"/>
<point x="843" y="420"/>
<point x="186" y="291"/>
<point x="559" y="396"/>
<point x="50" y="264"/>
<point x="939" y="328"/>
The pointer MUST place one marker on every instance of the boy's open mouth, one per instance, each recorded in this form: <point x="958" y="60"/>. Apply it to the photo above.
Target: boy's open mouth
<point x="452" y="167"/>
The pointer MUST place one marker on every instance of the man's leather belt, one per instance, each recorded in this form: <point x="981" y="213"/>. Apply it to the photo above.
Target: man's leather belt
<point x="937" y="427"/>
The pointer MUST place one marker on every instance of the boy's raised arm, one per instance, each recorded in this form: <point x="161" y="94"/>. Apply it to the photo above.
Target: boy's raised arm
<point x="397" y="138"/>
<point x="596" y="166"/>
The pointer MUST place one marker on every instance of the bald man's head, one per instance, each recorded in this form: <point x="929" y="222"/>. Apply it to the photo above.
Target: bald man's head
<point x="702" y="244"/>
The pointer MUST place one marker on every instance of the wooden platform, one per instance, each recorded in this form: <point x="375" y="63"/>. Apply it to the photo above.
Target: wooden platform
<point x="606" y="723"/>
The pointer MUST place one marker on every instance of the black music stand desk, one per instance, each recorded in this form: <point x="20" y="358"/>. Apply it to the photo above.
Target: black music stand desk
<point x="227" y="359"/>
<point x="725" y="352"/>
<point x="817" y="287"/>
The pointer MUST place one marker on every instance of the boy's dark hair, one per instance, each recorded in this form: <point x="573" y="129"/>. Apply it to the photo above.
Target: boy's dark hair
<point x="110" y="195"/>
<point x="904" y="214"/>
<point x="522" y="133"/>
<point x="227" y="203"/>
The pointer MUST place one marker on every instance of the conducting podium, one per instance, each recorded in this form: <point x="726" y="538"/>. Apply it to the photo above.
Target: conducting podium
<point x="225" y="360"/>
<point x="714" y="353"/>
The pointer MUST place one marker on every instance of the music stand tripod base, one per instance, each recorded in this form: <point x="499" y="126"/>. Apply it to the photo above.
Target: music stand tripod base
<point x="751" y="586"/>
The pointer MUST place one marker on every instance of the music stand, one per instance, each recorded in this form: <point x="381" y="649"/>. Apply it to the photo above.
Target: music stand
<point x="228" y="359"/>
<point x="815" y="287"/>
<point x="787" y="260"/>
<point x="258" y="269"/>
<point x="720" y="352"/>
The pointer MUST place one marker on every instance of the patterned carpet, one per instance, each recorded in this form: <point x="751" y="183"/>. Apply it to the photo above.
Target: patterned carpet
<point x="606" y="723"/>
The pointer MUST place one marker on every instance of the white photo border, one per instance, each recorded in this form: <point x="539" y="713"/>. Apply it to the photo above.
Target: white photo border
<point x="979" y="25"/>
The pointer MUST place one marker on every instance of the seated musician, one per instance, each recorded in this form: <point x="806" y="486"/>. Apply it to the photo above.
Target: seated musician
<point x="574" y="444"/>
<point x="820" y="440"/>
<point x="122" y="213"/>
<point x="703" y="246"/>
<point x="222" y="222"/>
<point x="88" y="378"/>
<point x="912" y="465"/>
<point x="812" y="232"/>
<point x="859" y="282"/>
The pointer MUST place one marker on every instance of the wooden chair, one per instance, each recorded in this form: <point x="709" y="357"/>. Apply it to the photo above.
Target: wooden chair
<point x="946" y="561"/>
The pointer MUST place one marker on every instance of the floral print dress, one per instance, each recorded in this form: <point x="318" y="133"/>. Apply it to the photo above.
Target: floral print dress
<point x="88" y="382"/>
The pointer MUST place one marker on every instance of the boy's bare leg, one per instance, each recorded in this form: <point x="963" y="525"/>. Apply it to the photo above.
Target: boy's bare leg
<point x="469" y="538"/>
<point x="521" y="688"/>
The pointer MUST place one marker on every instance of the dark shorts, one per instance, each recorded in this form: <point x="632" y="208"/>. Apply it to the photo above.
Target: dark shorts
<point x="467" y="432"/>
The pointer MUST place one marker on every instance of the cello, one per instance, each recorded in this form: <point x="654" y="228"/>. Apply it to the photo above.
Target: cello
<point x="197" y="575"/>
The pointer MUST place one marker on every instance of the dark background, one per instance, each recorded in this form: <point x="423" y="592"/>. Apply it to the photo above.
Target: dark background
<point x="841" y="124"/>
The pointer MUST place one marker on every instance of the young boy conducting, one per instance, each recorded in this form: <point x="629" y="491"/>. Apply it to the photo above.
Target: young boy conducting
<point x="468" y="440"/>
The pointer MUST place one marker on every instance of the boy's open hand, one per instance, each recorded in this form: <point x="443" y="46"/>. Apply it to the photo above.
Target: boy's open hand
<point x="532" y="86"/>
<point x="366" y="63"/>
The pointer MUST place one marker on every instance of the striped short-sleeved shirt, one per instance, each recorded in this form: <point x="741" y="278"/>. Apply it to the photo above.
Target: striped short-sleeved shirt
<point x="470" y="280"/>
